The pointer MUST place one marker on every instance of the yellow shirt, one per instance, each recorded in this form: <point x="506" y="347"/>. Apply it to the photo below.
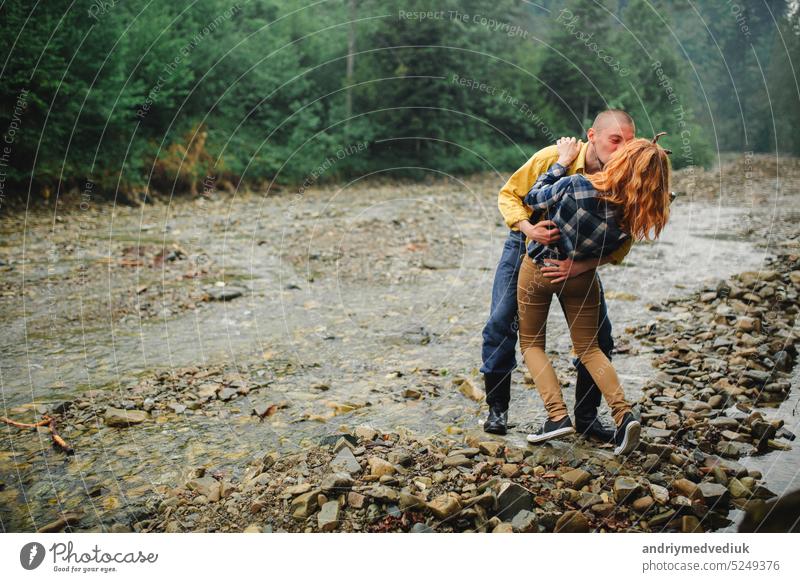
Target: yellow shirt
<point x="510" y="199"/>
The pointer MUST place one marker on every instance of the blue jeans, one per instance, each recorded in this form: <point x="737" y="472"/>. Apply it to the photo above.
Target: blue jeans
<point x="500" y="334"/>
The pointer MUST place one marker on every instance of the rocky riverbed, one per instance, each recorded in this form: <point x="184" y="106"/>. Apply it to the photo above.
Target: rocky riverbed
<point x="366" y="418"/>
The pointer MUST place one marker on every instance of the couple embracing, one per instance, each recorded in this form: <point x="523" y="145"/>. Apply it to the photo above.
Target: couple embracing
<point x="571" y="208"/>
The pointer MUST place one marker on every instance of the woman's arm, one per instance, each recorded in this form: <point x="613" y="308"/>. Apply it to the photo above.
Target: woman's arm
<point x="547" y="188"/>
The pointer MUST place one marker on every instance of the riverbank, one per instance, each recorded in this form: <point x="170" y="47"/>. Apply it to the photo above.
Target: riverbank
<point x="333" y="335"/>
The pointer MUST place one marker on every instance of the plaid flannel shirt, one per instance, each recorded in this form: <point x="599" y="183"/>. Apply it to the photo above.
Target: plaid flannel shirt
<point x="589" y="225"/>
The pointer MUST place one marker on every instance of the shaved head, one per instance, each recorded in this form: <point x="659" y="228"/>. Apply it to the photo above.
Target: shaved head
<point x="611" y="129"/>
<point x="616" y="118"/>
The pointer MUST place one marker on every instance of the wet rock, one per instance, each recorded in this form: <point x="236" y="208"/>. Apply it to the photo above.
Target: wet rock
<point x="420" y="527"/>
<point x="686" y="488"/>
<point x="116" y="417"/>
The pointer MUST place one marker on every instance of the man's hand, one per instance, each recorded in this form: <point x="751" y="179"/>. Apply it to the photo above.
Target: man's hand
<point x="545" y="232"/>
<point x="559" y="271"/>
<point x="568" y="150"/>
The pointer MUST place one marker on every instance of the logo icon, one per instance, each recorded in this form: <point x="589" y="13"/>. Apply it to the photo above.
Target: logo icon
<point x="31" y="555"/>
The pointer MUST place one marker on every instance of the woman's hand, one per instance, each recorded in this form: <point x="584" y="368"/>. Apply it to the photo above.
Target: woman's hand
<point x="568" y="150"/>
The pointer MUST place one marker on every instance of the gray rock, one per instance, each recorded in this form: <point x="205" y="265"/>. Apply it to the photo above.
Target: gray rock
<point x="625" y="489"/>
<point x="512" y="499"/>
<point x="117" y="417"/>
<point x="345" y="461"/>
<point x="525" y="522"/>
<point x="328" y="517"/>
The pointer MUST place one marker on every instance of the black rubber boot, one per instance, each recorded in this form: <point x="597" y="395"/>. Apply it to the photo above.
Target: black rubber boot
<point x="498" y="395"/>
<point x="587" y="401"/>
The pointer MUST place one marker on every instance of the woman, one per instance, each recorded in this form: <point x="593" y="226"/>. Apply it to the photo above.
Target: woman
<point x="629" y="197"/>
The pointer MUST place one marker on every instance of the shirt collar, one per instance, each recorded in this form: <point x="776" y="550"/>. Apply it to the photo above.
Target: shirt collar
<point x="579" y="165"/>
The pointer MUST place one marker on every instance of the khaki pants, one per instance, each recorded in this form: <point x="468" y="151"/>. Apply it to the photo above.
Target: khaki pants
<point x="581" y="299"/>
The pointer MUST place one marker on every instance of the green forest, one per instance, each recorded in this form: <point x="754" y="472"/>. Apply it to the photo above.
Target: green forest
<point x="132" y="97"/>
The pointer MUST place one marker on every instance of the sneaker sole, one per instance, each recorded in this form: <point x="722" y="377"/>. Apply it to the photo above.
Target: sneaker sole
<point x="631" y="439"/>
<point x="539" y="438"/>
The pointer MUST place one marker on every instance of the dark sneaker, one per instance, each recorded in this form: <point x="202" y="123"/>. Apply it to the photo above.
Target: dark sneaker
<point x="627" y="435"/>
<point x="551" y="430"/>
<point x="595" y="429"/>
<point x="497" y="422"/>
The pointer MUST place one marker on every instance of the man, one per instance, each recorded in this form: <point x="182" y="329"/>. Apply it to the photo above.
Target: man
<point x="611" y="129"/>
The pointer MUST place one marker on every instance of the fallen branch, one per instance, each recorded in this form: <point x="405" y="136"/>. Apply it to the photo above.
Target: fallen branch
<point x="47" y="421"/>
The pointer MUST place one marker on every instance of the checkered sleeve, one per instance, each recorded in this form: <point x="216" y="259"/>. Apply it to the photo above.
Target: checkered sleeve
<point x="548" y="188"/>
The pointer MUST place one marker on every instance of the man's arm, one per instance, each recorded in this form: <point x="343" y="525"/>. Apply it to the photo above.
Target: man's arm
<point x="509" y="199"/>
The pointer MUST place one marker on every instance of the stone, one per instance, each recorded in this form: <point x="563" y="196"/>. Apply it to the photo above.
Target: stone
<point x="625" y="488"/>
<point x="227" y="394"/>
<point x="457" y="461"/>
<point x="686" y="488"/>
<point x="305" y="505"/>
<point x="116" y="417"/>
<point x="328" y="517"/>
<point x="420" y="527"/>
<point x="345" y="461"/>
<point x="366" y="432"/>
<point x="712" y="493"/>
<point x="576" y="478"/>
<point x="491" y="448"/>
<point x="410" y="501"/>
<point x="738" y="489"/>
<point x="253" y="528"/>
<point x="525" y="522"/>
<point x="355" y="500"/>
<point x="207" y="487"/>
<point x="336" y="482"/>
<point x="690" y="524"/>
<point x="503" y="527"/>
<point x="383" y="493"/>
<point x="445" y="506"/>
<point x="642" y="504"/>
<point x="225" y="293"/>
<point x="660" y="494"/>
<point x="511" y="499"/>
<point x="379" y="467"/>
<point x="604" y="509"/>
<point x="299" y="489"/>
<point x="468" y="389"/>
<point x="572" y="522"/>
